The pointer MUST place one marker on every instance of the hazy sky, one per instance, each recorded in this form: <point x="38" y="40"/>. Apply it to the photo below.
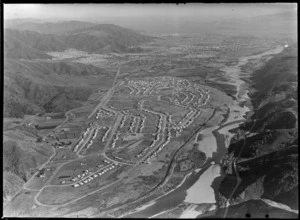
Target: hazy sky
<point x="94" y="11"/>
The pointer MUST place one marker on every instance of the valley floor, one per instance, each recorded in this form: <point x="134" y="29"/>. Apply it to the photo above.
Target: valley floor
<point x="146" y="146"/>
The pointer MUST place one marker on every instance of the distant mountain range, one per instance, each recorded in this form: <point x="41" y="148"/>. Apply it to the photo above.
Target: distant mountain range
<point x="47" y="27"/>
<point x="36" y="86"/>
<point x="44" y="86"/>
<point x="32" y="40"/>
<point x="283" y="23"/>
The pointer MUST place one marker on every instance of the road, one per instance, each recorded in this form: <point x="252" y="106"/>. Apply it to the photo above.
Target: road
<point x="53" y="155"/>
<point x="108" y="94"/>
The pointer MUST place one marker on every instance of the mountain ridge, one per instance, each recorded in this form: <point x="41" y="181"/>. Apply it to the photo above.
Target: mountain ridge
<point x="101" y="38"/>
<point x="274" y="142"/>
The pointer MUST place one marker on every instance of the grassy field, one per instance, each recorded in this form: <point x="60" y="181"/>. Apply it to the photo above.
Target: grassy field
<point x="163" y="107"/>
<point x="37" y="183"/>
<point x="64" y="154"/>
<point x="62" y="194"/>
<point x="123" y="104"/>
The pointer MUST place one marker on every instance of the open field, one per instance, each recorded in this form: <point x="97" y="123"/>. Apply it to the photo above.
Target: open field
<point x="63" y="194"/>
<point x="44" y="177"/>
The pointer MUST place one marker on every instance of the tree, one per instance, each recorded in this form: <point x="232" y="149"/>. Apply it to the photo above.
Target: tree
<point x="39" y="139"/>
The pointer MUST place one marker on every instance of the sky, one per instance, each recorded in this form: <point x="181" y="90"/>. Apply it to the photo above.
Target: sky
<point x="98" y="11"/>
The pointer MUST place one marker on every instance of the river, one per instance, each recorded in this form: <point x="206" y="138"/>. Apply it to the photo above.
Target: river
<point x="196" y="188"/>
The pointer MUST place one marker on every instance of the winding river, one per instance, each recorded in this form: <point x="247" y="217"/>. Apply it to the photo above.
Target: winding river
<point x="196" y="186"/>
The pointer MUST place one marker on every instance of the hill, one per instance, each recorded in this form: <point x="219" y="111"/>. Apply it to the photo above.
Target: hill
<point x="105" y="38"/>
<point x="267" y="160"/>
<point x="48" y="27"/>
<point x="21" y="155"/>
<point x="45" y="86"/>
<point x="32" y="43"/>
<point x="252" y="209"/>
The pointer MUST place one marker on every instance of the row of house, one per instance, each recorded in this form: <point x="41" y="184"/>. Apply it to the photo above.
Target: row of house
<point x="132" y="124"/>
<point x="161" y="135"/>
<point x="105" y="112"/>
<point x="106" y="133"/>
<point x="157" y="137"/>
<point x="154" y="83"/>
<point x="90" y="133"/>
<point x="93" y="136"/>
<point x="116" y="137"/>
<point x="124" y="118"/>
<point x="95" y="175"/>
<point x="142" y="124"/>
